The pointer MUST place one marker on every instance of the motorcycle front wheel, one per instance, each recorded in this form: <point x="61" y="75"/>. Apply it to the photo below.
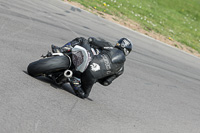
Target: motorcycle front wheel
<point x="48" y="65"/>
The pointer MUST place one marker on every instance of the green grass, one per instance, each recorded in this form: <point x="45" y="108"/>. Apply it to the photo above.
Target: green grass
<point x="178" y="19"/>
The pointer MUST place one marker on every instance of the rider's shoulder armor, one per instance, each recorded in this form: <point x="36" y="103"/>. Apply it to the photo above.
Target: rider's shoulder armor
<point x="117" y="56"/>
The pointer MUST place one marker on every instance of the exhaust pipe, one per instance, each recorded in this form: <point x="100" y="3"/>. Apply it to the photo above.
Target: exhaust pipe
<point x="68" y="73"/>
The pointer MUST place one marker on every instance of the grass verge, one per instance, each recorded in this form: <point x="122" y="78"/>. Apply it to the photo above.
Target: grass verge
<point x="177" y="20"/>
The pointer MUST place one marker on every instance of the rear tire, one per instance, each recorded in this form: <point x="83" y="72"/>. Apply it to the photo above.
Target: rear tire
<point x="48" y="65"/>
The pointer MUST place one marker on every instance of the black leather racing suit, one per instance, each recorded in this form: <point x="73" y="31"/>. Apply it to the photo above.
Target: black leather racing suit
<point x="104" y="67"/>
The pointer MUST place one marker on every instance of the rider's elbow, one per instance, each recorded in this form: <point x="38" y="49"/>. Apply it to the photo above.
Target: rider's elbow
<point x="105" y="83"/>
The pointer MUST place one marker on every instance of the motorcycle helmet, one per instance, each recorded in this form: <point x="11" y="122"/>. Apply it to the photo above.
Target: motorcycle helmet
<point x="125" y="45"/>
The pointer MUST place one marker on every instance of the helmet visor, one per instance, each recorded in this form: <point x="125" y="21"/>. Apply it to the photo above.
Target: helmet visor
<point x="126" y="52"/>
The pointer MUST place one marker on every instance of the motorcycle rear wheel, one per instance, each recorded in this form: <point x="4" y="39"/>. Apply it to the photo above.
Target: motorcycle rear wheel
<point x="48" y="65"/>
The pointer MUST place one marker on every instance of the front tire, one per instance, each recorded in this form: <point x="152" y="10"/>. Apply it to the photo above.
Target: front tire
<point x="48" y="65"/>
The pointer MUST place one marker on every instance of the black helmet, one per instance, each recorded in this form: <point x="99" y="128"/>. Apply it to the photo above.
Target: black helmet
<point x="125" y="45"/>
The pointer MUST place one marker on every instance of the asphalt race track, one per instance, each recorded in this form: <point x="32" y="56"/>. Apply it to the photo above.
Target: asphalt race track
<point x="158" y="93"/>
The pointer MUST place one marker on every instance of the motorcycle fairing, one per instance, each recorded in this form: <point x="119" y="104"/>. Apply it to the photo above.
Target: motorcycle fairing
<point x="80" y="58"/>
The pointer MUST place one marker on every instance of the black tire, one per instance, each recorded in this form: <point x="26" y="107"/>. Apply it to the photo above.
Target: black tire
<point x="48" y="65"/>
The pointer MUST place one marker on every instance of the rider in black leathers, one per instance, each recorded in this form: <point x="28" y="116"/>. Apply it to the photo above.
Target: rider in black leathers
<point x="106" y="65"/>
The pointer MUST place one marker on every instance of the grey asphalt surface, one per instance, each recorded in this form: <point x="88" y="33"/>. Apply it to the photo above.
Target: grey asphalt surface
<point x="159" y="91"/>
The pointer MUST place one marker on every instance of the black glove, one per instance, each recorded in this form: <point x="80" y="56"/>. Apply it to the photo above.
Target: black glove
<point x="90" y="39"/>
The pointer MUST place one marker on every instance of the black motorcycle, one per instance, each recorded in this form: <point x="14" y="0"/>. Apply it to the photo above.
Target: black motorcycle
<point x="60" y="66"/>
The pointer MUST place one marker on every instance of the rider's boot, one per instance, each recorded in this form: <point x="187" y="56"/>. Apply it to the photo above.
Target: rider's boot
<point x="56" y="49"/>
<point x="76" y="85"/>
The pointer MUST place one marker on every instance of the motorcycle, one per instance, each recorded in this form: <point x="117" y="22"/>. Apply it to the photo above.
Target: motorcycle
<point x="60" y="67"/>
